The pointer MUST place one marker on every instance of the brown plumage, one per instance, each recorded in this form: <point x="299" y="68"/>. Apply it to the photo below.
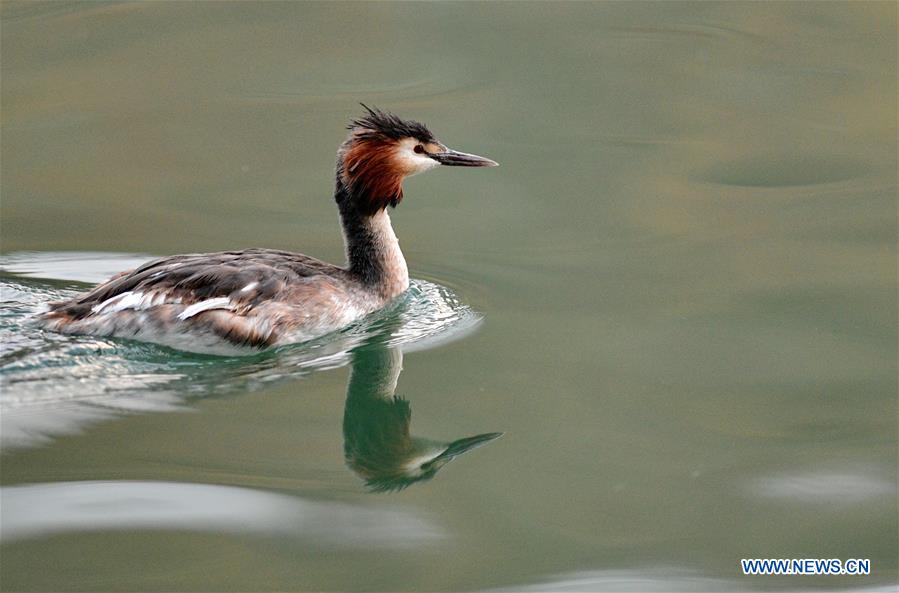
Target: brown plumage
<point x="369" y="167"/>
<point x="254" y="281"/>
<point x="263" y="297"/>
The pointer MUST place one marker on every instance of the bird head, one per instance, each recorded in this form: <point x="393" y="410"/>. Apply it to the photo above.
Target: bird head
<point x="388" y="458"/>
<point x="382" y="150"/>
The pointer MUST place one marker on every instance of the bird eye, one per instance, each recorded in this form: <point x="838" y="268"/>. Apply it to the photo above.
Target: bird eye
<point x="419" y="149"/>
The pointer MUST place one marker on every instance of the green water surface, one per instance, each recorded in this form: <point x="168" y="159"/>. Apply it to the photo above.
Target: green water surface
<point x="683" y="276"/>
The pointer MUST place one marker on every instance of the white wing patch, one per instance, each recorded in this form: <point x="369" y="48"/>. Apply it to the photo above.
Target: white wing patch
<point x="141" y="301"/>
<point x="130" y="300"/>
<point x="207" y="305"/>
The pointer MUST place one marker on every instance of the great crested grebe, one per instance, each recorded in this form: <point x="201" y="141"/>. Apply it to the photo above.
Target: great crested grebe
<point x="259" y="298"/>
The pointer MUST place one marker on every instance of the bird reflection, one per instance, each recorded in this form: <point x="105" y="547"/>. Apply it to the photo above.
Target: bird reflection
<point x="378" y="445"/>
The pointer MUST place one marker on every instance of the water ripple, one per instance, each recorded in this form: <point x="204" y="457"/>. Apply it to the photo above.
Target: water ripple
<point x="55" y="384"/>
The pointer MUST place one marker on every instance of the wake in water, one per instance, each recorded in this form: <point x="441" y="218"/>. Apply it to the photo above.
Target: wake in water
<point x="54" y="384"/>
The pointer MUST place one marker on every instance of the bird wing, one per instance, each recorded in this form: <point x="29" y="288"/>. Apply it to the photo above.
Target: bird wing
<point x="225" y="287"/>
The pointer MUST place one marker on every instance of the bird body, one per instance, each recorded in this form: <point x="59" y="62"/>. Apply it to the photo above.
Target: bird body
<point x="229" y="301"/>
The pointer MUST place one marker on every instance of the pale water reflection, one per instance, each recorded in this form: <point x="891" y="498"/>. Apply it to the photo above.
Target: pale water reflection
<point x="655" y="580"/>
<point x="40" y="510"/>
<point x="830" y="486"/>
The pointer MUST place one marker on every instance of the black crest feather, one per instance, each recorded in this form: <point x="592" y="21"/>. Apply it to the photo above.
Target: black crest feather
<point x="384" y="124"/>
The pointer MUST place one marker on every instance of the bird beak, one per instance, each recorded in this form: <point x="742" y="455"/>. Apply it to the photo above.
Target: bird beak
<point x="461" y="446"/>
<point x="454" y="158"/>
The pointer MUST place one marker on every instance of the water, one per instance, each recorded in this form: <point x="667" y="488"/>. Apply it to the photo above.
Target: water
<point x="51" y="378"/>
<point x="676" y="297"/>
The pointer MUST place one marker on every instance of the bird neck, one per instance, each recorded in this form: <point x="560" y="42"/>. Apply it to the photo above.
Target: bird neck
<point x="375" y="372"/>
<point x="372" y="249"/>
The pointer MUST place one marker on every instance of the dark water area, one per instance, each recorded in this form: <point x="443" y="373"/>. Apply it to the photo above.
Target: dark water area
<point x="676" y="298"/>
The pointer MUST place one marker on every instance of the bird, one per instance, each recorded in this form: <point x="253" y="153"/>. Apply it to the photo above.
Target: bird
<point x="235" y="302"/>
<point x="377" y="442"/>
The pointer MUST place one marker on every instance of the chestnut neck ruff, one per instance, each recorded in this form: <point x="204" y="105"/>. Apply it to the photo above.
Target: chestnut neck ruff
<point x="366" y="184"/>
